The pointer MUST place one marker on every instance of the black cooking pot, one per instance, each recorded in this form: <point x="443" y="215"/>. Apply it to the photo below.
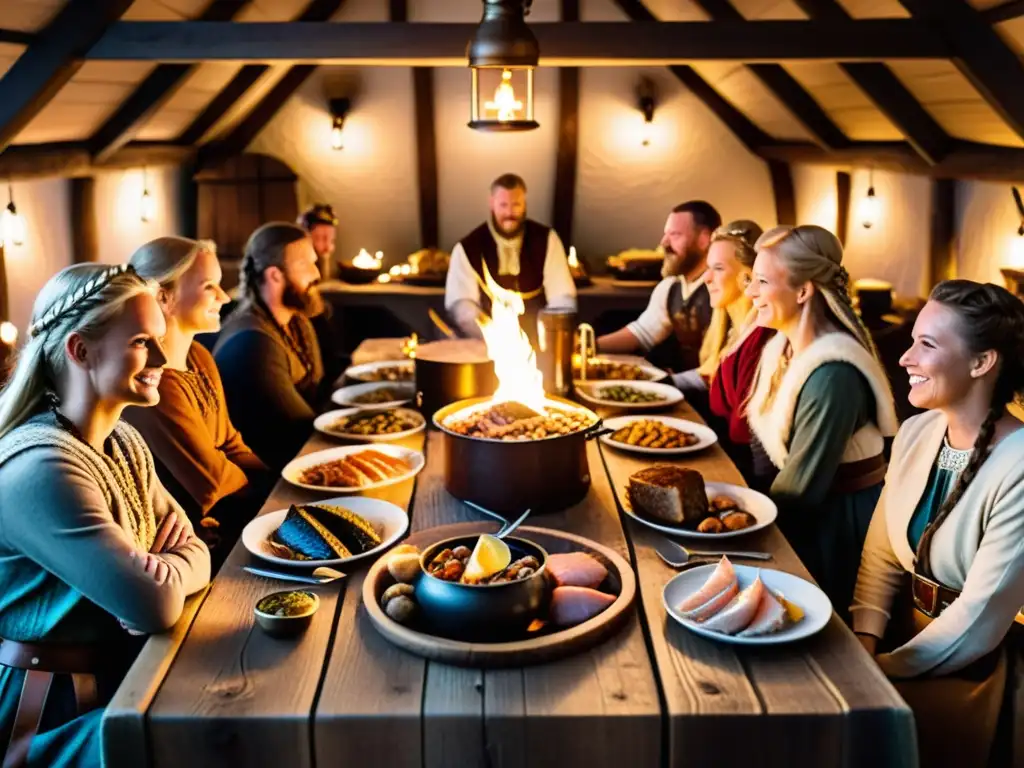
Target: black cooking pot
<point x="451" y="370"/>
<point x="511" y="476"/>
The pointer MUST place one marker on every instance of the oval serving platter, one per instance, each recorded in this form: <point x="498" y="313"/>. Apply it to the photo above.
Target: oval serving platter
<point x="592" y="391"/>
<point x="372" y="371"/>
<point x="293" y="469"/>
<point x="347" y="397"/>
<point x="516" y="652"/>
<point x="389" y="520"/>
<point x="706" y="436"/>
<point x="757" y="504"/>
<point x="324" y="421"/>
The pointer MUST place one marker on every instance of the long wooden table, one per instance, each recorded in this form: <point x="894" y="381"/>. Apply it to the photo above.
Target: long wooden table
<point x="653" y="695"/>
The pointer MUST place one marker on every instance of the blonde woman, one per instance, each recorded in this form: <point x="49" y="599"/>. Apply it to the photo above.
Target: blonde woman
<point x="952" y="520"/>
<point x="201" y="458"/>
<point x="92" y="548"/>
<point x="821" y="405"/>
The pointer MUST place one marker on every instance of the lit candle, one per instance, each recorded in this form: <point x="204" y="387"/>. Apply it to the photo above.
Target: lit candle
<point x="573" y="261"/>
<point x="406" y="269"/>
<point x="385" y="278"/>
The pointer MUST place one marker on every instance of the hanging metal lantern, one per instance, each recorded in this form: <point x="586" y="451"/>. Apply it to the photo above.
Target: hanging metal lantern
<point x="502" y="56"/>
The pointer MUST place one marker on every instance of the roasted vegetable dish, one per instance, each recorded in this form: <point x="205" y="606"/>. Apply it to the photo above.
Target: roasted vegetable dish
<point x="398" y="372"/>
<point x="322" y="532"/>
<point x="376" y="423"/>
<point x="623" y="394"/>
<point x="355" y="470"/>
<point x="295" y="603"/>
<point x="450" y="564"/>
<point x="607" y="369"/>
<point x="647" y="433"/>
<point x="515" y="421"/>
<point x="383" y="395"/>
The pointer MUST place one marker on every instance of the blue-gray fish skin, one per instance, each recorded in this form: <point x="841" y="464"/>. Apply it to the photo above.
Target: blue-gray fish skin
<point x="304" y="534"/>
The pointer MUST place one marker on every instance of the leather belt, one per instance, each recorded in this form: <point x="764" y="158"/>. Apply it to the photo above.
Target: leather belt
<point x="930" y="597"/>
<point x="41" y="661"/>
<point x="859" y="475"/>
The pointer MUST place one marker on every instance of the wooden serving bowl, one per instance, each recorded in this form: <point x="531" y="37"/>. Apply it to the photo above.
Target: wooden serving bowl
<point x="523" y="649"/>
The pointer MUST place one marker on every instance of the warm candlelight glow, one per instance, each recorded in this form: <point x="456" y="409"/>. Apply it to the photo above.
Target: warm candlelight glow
<point x="8" y="333"/>
<point x="505" y="103"/>
<point x="395" y="271"/>
<point x="574" y="262"/>
<point x="406" y="269"/>
<point x="148" y="207"/>
<point x="869" y="209"/>
<point x="1017" y="252"/>
<point x="385" y="278"/>
<point x="12" y="226"/>
<point x="515" y="363"/>
<point x="365" y="261"/>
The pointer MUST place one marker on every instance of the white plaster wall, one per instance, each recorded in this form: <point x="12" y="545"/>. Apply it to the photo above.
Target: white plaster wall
<point x="896" y="247"/>
<point x="119" y="226"/>
<point x="987" y="223"/>
<point x="46" y="206"/>
<point x="371" y="182"/>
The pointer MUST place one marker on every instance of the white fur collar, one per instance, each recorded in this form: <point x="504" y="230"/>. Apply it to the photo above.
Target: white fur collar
<point x="774" y="426"/>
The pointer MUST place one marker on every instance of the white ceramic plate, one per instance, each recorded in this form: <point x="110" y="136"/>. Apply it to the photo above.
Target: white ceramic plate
<point x="620" y="283"/>
<point x="366" y="371"/>
<point x="809" y="598"/>
<point x="390" y="521"/>
<point x="757" y="504"/>
<point x="346" y="396"/>
<point x="324" y="421"/>
<point x="705" y="435"/>
<point x="294" y="468"/>
<point x="591" y="392"/>
<point x="653" y="373"/>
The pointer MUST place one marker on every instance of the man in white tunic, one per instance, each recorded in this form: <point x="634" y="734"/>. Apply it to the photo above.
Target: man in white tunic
<point x="520" y="254"/>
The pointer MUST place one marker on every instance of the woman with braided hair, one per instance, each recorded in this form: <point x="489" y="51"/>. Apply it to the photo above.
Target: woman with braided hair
<point x="951" y="523"/>
<point x="820" y="405"/>
<point x="93" y="550"/>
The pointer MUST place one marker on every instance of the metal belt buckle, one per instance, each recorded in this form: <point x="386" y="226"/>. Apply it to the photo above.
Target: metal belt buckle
<point x="926" y="595"/>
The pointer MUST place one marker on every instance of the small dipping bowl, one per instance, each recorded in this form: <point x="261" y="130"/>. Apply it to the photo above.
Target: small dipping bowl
<point x="483" y="612"/>
<point x="287" y="613"/>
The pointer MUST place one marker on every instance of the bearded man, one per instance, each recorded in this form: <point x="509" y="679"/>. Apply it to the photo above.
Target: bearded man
<point x="519" y="254"/>
<point x="671" y="329"/>
<point x="267" y="352"/>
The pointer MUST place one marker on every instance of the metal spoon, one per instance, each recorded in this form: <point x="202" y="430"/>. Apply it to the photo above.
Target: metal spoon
<point x="489" y="513"/>
<point x="512" y="526"/>
<point x="321" y="575"/>
<point x="676" y="555"/>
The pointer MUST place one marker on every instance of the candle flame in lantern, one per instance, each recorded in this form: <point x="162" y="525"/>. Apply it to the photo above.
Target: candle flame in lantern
<point x="573" y="261"/>
<point x="505" y="102"/>
<point x="515" y="363"/>
<point x="365" y="261"/>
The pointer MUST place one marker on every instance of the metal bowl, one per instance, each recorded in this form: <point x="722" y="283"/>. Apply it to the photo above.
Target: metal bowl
<point x="289" y="625"/>
<point x="482" y="611"/>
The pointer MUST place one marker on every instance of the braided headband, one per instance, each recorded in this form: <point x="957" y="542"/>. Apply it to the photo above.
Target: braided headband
<point x="54" y="313"/>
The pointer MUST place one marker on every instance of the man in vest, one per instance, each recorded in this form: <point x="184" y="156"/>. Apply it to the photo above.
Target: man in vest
<point x="671" y="329"/>
<point x="520" y="255"/>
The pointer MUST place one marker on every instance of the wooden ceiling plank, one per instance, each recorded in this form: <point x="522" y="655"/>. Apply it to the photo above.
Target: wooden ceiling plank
<point x="1012" y="9"/>
<point x="887" y="93"/>
<point x="561" y="42"/>
<point x="155" y="91"/>
<point x="784" y="86"/>
<point x="52" y="59"/>
<point x="741" y="126"/>
<point x="17" y="37"/>
<point x="246" y="78"/>
<point x="980" y="54"/>
<point x="72" y="158"/>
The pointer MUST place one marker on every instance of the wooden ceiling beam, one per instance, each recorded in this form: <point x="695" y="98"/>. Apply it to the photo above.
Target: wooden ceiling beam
<point x="51" y="60"/>
<point x="73" y="159"/>
<point x="1012" y="9"/>
<point x="246" y="78"/>
<point x="888" y="93"/>
<point x="153" y="92"/>
<point x="741" y="126"/>
<point x="562" y="43"/>
<point x="17" y="37"/>
<point x="784" y="86"/>
<point x="980" y="54"/>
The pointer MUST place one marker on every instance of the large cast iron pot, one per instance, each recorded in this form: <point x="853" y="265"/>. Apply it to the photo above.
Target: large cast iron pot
<point x="450" y="370"/>
<point x="510" y="477"/>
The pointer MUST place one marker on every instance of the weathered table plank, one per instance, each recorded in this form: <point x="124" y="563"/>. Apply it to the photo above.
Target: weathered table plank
<point x="235" y="694"/>
<point x="811" y="713"/>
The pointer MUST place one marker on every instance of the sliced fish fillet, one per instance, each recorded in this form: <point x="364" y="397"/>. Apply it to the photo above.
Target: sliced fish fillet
<point x="719" y="581"/>
<point x="574" y="605"/>
<point x="715" y="604"/>
<point x="770" y="617"/>
<point x="576" y="569"/>
<point x="739" y="613"/>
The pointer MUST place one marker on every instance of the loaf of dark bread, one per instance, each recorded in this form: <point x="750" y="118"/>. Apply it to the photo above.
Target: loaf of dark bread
<point x="670" y="494"/>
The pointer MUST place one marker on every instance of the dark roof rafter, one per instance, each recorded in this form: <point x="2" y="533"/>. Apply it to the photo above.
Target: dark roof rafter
<point x="17" y="37"/>
<point x="1011" y="9"/>
<point x="980" y="54"/>
<point x="72" y="158"/>
<point x="562" y="42"/>
<point x="887" y="93"/>
<point x="153" y="92"/>
<point x="51" y="60"/>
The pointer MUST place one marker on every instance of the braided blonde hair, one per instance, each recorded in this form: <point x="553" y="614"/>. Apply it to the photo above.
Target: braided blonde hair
<point x="83" y="299"/>
<point x="813" y="254"/>
<point x="166" y="259"/>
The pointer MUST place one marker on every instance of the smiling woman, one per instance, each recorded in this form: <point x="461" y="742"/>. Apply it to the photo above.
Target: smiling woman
<point x="91" y="544"/>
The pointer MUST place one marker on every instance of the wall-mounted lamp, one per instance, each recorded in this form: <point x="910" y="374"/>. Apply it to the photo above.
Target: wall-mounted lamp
<point x="869" y="206"/>
<point x="147" y="205"/>
<point x="339" y="111"/>
<point x="1014" y="273"/>
<point x="504" y="50"/>
<point x="12" y="223"/>
<point x="645" y="100"/>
